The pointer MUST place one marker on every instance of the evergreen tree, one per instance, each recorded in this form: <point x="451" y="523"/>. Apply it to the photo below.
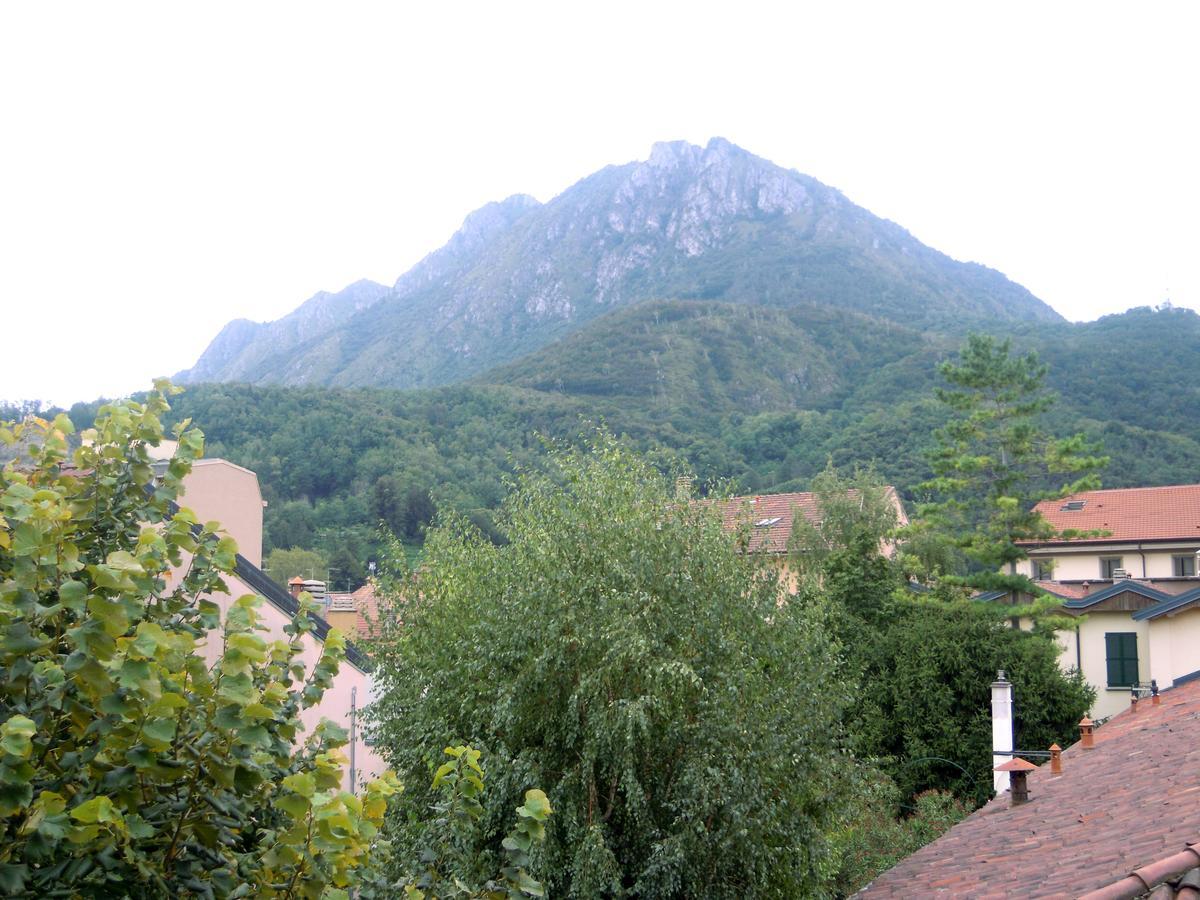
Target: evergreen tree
<point x="994" y="461"/>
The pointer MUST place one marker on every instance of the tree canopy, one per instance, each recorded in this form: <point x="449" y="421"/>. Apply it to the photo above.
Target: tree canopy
<point x="682" y="717"/>
<point x="994" y="460"/>
<point x="128" y="764"/>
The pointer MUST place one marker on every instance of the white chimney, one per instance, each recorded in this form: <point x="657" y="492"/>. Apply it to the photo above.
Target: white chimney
<point x="1002" y="729"/>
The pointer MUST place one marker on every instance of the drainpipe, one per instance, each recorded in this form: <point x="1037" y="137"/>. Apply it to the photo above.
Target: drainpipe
<point x="353" y="738"/>
<point x="1142" y="553"/>
<point x="1002" y="730"/>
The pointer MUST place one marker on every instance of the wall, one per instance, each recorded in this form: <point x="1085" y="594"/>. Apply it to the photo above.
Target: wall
<point x="1085" y="565"/>
<point x="218" y="490"/>
<point x="1174" y="646"/>
<point x="335" y="705"/>
<point x="1095" y="661"/>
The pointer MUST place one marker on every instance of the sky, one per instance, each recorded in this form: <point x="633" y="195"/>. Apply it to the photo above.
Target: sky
<point x="165" y="168"/>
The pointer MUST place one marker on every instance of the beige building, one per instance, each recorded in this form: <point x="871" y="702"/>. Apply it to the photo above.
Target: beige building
<point x="1130" y="575"/>
<point x="771" y="518"/>
<point x="218" y="490"/>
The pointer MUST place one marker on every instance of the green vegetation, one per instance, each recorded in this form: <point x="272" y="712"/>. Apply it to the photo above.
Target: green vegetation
<point x="993" y="462"/>
<point x="618" y="650"/>
<point x="126" y="759"/>
<point x="925" y="660"/>
<point x="764" y="396"/>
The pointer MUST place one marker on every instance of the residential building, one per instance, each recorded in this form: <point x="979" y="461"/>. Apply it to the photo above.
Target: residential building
<point x="1131" y="576"/>
<point x="770" y="519"/>
<point x="219" y="490"/>
<point x="1122" y="820"/>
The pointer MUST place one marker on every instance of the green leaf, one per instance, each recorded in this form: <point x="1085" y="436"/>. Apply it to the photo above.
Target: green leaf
<point x="159" y="732"/>
<point x="73" y="595"/>
<point x="98" y="809"/>
<point x="15" y="736"/>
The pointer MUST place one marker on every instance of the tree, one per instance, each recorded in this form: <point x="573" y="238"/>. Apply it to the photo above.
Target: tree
<point x="924" y="661"/>
<point x="682" y="717"/>
<point x="127" y="763"/>
<point x="994" y="461"/>
<point x="284" y="565"/>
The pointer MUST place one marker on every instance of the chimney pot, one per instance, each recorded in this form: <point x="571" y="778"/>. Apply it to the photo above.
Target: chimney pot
<point x="1133" y="697"/>
<point x="1154" y="698"/>
<point x="1055" y="759"/>
<point x="1018" y="769"/>
<point x="1085" y="733"/>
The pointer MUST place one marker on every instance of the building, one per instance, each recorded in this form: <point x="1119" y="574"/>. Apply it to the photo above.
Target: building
<point x="219" y="490"/>
<point x="1131" y="577"/>
<point x="768" y="521"/>
<point x="1122" y="820"/>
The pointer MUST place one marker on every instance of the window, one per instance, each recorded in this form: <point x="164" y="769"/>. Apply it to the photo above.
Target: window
<point x="1108" y="564"/>
<point x="1184" y="566"/>
<point x="1043" y="570"/>
<point x="1073" y="505"/>
<point x="1121" y="650"/>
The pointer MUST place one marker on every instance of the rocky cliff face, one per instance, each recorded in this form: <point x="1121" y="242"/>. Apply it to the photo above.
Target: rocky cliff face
<point x="690" y="222"/>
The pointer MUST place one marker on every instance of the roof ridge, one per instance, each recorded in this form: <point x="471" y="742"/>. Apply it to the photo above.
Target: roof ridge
<point x="1152" y="487"/>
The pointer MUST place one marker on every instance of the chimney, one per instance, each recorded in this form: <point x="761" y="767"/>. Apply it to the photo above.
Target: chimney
<point x="1085" y="733"/>
<point x="1055" y="759"/>
<point x="296" y="586"/>
<point x="1019" y="769"/>
<point x="1154" y="698"/>
<point x="343" y="614"/>
<point x="683" y="488"/>
<point x="1002" y="730"/>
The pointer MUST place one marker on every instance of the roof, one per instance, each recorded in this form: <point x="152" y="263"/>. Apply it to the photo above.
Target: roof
<point x="1129" y="514"/>
<point x="1131" y="802"/>
<point x="279" y="597"/>
<point x="771" y="516"/>
<point x="365" y="604"/>
<point x="1164" y="596"/>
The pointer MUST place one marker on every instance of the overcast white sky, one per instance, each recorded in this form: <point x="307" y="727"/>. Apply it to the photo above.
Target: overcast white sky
<point x="166" y="167"/>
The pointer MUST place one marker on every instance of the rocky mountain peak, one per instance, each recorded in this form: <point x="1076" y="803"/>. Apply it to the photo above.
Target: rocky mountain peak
<point x="481" y="225"/>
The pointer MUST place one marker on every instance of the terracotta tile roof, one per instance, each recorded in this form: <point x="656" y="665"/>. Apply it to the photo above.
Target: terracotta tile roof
<point x="771" y="516"/>
<point x="1131" y="514"/>
<point x="1131" y="802"/>
<point x="367" y="605"/>
<point x="1079" y="590"/>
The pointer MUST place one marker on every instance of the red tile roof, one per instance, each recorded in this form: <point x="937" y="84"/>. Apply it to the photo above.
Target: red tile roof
<point x="1077" y="590"/>
<point x="1132" y="801"/>
<point x="363" y="602"/>
<point x="367" y="605"/>
<point x="777" y="514"/>
<point x="1131" y="514"/>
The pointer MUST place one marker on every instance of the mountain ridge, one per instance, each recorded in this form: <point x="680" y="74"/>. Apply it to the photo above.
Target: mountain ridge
<point x="690" y="222"/>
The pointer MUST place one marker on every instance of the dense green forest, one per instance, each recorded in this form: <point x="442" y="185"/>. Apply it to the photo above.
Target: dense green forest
<point x="761" y="396"/>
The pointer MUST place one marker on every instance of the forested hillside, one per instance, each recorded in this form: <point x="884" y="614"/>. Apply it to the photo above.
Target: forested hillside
<point x="763" y="396"/>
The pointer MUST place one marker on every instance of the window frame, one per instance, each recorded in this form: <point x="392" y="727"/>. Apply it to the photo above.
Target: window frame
<point x="1122" y="642"/>
<point x="1181" y="560"/>
<point x="1043" y="570"/>
<point x="1107" y="564"/>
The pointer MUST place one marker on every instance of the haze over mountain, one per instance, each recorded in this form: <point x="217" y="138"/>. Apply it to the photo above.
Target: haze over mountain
<point x="712" y="223"/>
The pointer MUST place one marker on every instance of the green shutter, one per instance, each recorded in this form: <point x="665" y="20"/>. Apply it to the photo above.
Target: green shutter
<point x="1121" y="653"/>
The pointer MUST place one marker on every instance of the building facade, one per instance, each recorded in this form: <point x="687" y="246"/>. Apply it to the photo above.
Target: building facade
<point x="1126" y="567"/>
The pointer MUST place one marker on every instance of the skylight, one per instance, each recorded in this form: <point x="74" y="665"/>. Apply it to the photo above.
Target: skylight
<point x="767" y="523"/>
<point x="1073" y="505"/>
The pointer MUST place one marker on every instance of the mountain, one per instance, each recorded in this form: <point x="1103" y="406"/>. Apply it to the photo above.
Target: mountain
<point x="244" y="347"/>
<point x="712" y="223"/>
